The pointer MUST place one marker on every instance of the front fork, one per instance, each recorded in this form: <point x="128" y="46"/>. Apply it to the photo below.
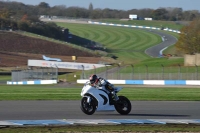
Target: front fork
<point x="88" y="99"/>
<point x="116" y="98"/>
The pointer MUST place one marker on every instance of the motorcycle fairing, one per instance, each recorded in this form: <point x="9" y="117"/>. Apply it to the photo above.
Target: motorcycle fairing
<point x="102" y="105"/>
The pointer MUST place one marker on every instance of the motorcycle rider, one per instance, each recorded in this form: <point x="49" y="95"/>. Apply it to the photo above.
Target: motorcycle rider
<point x="103" y="83"/>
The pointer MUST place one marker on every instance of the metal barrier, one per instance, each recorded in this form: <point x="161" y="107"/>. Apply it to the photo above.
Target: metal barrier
<point x="35" y="74"/>
<point x="145" y="73"/>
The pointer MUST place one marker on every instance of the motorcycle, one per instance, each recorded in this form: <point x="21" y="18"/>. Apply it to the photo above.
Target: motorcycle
<point x="98" y="99"/>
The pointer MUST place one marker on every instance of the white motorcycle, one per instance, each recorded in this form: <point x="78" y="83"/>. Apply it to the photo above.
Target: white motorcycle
<point x="95" y="99"/>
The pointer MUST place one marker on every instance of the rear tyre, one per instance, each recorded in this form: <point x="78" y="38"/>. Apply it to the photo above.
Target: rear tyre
<point x="88" y="108"/>
<point x="123" y="105"/>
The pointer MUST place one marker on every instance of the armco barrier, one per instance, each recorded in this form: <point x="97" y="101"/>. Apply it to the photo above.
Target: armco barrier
<point x="35" y="82"/>
<point x="149" y="82"/>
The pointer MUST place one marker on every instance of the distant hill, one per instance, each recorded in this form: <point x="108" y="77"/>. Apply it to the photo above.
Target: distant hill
<point x="13" y="42"/>
<point x="16" y="49"/>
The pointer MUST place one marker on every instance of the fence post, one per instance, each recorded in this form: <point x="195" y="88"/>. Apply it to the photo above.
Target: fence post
<point x="179" y="71"/>
<point x="83" y="73"/>
<point x="196" y="72"/>
<point x="17" y="73"/>
<point x="56" y="72"/>
<point x="118" y="71"/>
<point x="42" y="76"/>
<point x="132" y="71"/>
<point x="52" y="72"/>
<point x="162" y="71"/>
<point x="147" y="75"/>
<point x="94" y="69"/>
<point x="106" y="71"/>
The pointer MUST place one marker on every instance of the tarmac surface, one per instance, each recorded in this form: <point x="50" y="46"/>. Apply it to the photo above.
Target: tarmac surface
<point x="70" y="109"/>
<point x="168" y="40"/>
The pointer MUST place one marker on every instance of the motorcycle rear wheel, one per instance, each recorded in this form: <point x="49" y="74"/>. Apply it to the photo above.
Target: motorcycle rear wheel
<point x="123" y="105"/>
<point x="88" y="108"/>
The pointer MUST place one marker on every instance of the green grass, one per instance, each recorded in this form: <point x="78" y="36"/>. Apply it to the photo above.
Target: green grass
<point x="153" y="62"/>
<point x="128" y="44"/>
<point x="162" y="94"/>
<point x="34" y="92"/>
<point x="103" y="128"/>
<point x="156" y="65"/>
<point x="46" y="92"/>
<point x="154" y="23"/>
<point x="5" y="78"/>
<point x="158" y="24"/>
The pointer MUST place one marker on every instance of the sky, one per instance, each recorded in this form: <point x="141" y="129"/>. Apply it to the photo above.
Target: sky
<point x="121" y="4"/>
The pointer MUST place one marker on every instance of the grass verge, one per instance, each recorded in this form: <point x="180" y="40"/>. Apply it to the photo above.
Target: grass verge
<point x="103" y="129"/>
<point x="158" y="24"/>
<point x="46" y="92"/>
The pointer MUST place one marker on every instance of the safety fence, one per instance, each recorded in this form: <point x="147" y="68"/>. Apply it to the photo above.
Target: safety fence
<point x="115" y="72"/>
<point x="145" y="73"/>
<point x="35" y="74"/>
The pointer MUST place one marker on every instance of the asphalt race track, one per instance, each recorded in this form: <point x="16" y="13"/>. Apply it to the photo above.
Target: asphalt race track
<point x="46" y="110"/>
<point x="167" y="41"/>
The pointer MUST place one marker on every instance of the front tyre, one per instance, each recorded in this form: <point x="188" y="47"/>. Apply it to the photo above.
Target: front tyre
<point x="88" y="108"/>
<point x="123" y="105"/>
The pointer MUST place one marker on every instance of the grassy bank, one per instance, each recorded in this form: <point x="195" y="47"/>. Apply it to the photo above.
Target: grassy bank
<point x="128" y="44"/>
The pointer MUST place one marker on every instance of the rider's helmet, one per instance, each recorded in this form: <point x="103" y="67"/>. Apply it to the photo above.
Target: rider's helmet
<point x="93" y="79"/>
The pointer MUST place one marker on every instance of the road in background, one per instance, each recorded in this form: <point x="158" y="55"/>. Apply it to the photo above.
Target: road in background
<point x="168" y="40"/>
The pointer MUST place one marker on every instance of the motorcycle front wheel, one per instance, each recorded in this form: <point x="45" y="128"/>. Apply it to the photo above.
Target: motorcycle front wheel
<point x="88" y="108"/>
<point x="123" y="105"/>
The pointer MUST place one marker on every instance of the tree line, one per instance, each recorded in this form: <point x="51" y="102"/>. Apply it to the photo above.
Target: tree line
<point x="168" y="14"/>
<point x="189" y="40"/>
<point x="18" y="16"/>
